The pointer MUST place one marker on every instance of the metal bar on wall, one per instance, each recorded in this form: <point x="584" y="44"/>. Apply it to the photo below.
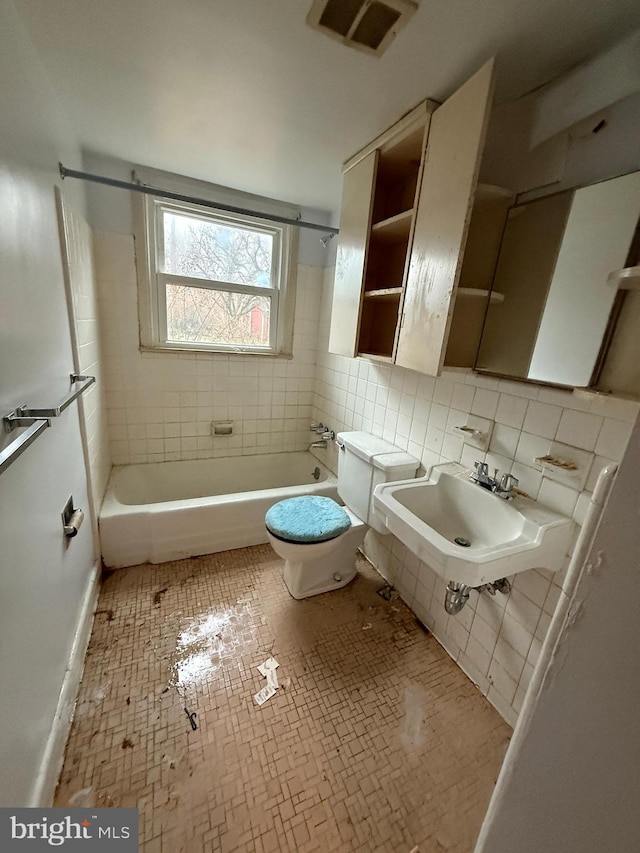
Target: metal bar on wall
<point x="156" y="191"/>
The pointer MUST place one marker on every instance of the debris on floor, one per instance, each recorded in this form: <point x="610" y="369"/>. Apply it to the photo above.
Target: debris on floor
<point x="388" y="592"/>
<point x="157" y="598"/>
<point x="333" y="764"/>
<point x="262" y="695"/>
<point x="269" y="664"/>
<point x="108" y="614"/>
<point x="268" y="671"/>
<point x="127" y="744"/>
<point x="192" y="718"/>
<point x="367" y="626"/>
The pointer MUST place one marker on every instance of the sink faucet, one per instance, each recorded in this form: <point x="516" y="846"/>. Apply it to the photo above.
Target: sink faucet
<point x="503" y="487"/>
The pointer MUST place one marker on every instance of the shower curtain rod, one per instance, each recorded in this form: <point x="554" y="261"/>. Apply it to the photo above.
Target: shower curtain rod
<point x="141" y="188"/>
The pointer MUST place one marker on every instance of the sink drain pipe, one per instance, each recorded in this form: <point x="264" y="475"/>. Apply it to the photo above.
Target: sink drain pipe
<point x="457" y="594"/>
<point x="456" y="597"/>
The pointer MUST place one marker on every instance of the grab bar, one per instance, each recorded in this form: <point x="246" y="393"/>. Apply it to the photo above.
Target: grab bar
<point x="12" y="420"/>
<point x="37" y="420"/>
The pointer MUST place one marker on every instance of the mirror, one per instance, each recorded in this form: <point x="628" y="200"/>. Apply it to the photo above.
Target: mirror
<point x="555" y="257"/>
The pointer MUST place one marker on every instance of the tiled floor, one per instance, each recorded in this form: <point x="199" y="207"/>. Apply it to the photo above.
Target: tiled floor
<point x="375" y="740"/>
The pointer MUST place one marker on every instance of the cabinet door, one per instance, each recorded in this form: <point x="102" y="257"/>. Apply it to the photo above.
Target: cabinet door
<point x="355" y="222"/>
<point x="454" y="148"/>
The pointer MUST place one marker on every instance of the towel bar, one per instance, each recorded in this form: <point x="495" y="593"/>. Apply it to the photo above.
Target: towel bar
<point x="11" y="421"/>
<point x="37" y="420"/>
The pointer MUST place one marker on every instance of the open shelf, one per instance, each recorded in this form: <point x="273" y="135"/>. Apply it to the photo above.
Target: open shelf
<point x="378" y="325"/>
<point x="625" y="279"/>
<point x="385" y="265"/>
<point x="376" y="356"/>
<point x="476" y="292"/>
<point x="384" y="293"/>
<point x="486" y="191"/>
<point x="393" y="229"/>
<point x="397" y="175"/>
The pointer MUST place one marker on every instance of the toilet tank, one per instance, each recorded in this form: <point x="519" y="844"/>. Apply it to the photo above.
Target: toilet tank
<point x="364" y="461"/>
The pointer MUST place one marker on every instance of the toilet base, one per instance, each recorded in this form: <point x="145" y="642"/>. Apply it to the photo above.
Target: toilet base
<point x="314" y="577"/>
<point x="312" y="569"/>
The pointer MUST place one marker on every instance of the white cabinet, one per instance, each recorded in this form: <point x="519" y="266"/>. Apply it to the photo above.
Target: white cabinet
<point x="406" y="213"/>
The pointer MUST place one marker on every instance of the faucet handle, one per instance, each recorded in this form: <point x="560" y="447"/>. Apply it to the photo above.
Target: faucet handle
<point x="317" y="427"/>
<point x="481" y="473"/>
<point x="508" y="482"/>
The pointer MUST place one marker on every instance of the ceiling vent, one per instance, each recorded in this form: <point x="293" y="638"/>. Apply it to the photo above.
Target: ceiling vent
<point x="368" y="25"/>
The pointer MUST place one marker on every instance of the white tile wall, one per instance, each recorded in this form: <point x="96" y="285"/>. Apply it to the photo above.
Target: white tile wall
<point x="161" y="405"/>
<point x="496" y="640"/>
<point x="81" y="280"/>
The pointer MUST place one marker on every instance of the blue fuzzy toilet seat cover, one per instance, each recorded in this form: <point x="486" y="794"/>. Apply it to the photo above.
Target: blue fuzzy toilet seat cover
<point x="307" y="519"/>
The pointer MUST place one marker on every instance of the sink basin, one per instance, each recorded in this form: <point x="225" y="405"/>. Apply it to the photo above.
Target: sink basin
<point x="495" y="538"/>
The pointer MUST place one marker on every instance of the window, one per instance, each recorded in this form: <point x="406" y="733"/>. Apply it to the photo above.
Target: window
<point x="216" y="281"/>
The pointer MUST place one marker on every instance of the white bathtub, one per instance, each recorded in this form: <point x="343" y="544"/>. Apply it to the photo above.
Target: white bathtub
<point x="169" y="510"/>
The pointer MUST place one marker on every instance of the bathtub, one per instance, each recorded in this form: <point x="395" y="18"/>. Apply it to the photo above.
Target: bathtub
<point x="169" y="510"/>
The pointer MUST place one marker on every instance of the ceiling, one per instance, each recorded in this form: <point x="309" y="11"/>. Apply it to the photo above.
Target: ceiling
<point x="243" y="93"/>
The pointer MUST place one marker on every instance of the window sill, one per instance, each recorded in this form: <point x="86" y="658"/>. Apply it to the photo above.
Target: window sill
<point x="213" y="352"/>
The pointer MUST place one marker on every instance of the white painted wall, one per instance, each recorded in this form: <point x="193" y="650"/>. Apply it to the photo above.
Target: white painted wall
<point x="608" y="78"/>
<point x="44" y="587"/>
<point x="573" y="158"/>
<point x="570" y="778"/>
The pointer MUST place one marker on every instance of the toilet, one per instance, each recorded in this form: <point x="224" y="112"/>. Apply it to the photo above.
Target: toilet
<point x="315" y="536"/>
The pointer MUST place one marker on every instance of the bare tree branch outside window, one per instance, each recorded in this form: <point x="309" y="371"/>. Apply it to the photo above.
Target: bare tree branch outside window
<point x="209" y="250"/>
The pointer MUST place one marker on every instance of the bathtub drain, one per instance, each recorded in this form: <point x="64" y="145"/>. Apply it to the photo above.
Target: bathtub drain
<point x="460" y="540"/>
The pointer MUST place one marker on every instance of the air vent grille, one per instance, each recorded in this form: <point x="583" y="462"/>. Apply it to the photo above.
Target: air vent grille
<point x="339" y="15"/>
<point x="375" y="24"/>
<point x="367" y="25"/>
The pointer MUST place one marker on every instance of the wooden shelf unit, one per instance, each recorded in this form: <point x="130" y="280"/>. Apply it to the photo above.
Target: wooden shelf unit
<point x="394" y="198"/>
<point x="403" y="228"/>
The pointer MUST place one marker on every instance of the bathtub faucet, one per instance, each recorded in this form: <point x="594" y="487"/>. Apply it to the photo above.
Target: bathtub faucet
<point x="327" y="435"/>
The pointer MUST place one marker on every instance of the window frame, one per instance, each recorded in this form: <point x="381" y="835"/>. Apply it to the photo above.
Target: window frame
<point x="152" y="280"/>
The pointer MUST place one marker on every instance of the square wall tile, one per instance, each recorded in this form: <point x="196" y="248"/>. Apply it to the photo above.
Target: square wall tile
<point x="542" y="419"/>
<point x="579" y="429"/>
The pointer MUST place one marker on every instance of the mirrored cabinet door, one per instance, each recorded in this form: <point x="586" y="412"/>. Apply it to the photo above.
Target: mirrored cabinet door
<point x="554" y="273"/>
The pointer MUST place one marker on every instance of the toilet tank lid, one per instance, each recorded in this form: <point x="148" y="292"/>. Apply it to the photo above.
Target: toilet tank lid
<point x="377" y="451"/>
<point x="365" y="445"/>
<point x="398" y="459"/>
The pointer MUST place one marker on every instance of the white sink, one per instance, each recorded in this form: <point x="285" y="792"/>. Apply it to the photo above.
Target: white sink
<point x="505" y="537"/>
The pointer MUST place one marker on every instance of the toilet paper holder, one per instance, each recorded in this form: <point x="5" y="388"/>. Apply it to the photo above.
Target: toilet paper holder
<point x="72" y="519"/>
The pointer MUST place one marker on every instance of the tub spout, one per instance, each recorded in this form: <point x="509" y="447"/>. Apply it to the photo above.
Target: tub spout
<point x="322" y="443"/>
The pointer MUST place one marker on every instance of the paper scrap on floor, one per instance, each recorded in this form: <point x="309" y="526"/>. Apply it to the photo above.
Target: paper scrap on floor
<point x="262" y="695"/>
<point x="269" y="664"/>
<point x="268" y="670"/>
